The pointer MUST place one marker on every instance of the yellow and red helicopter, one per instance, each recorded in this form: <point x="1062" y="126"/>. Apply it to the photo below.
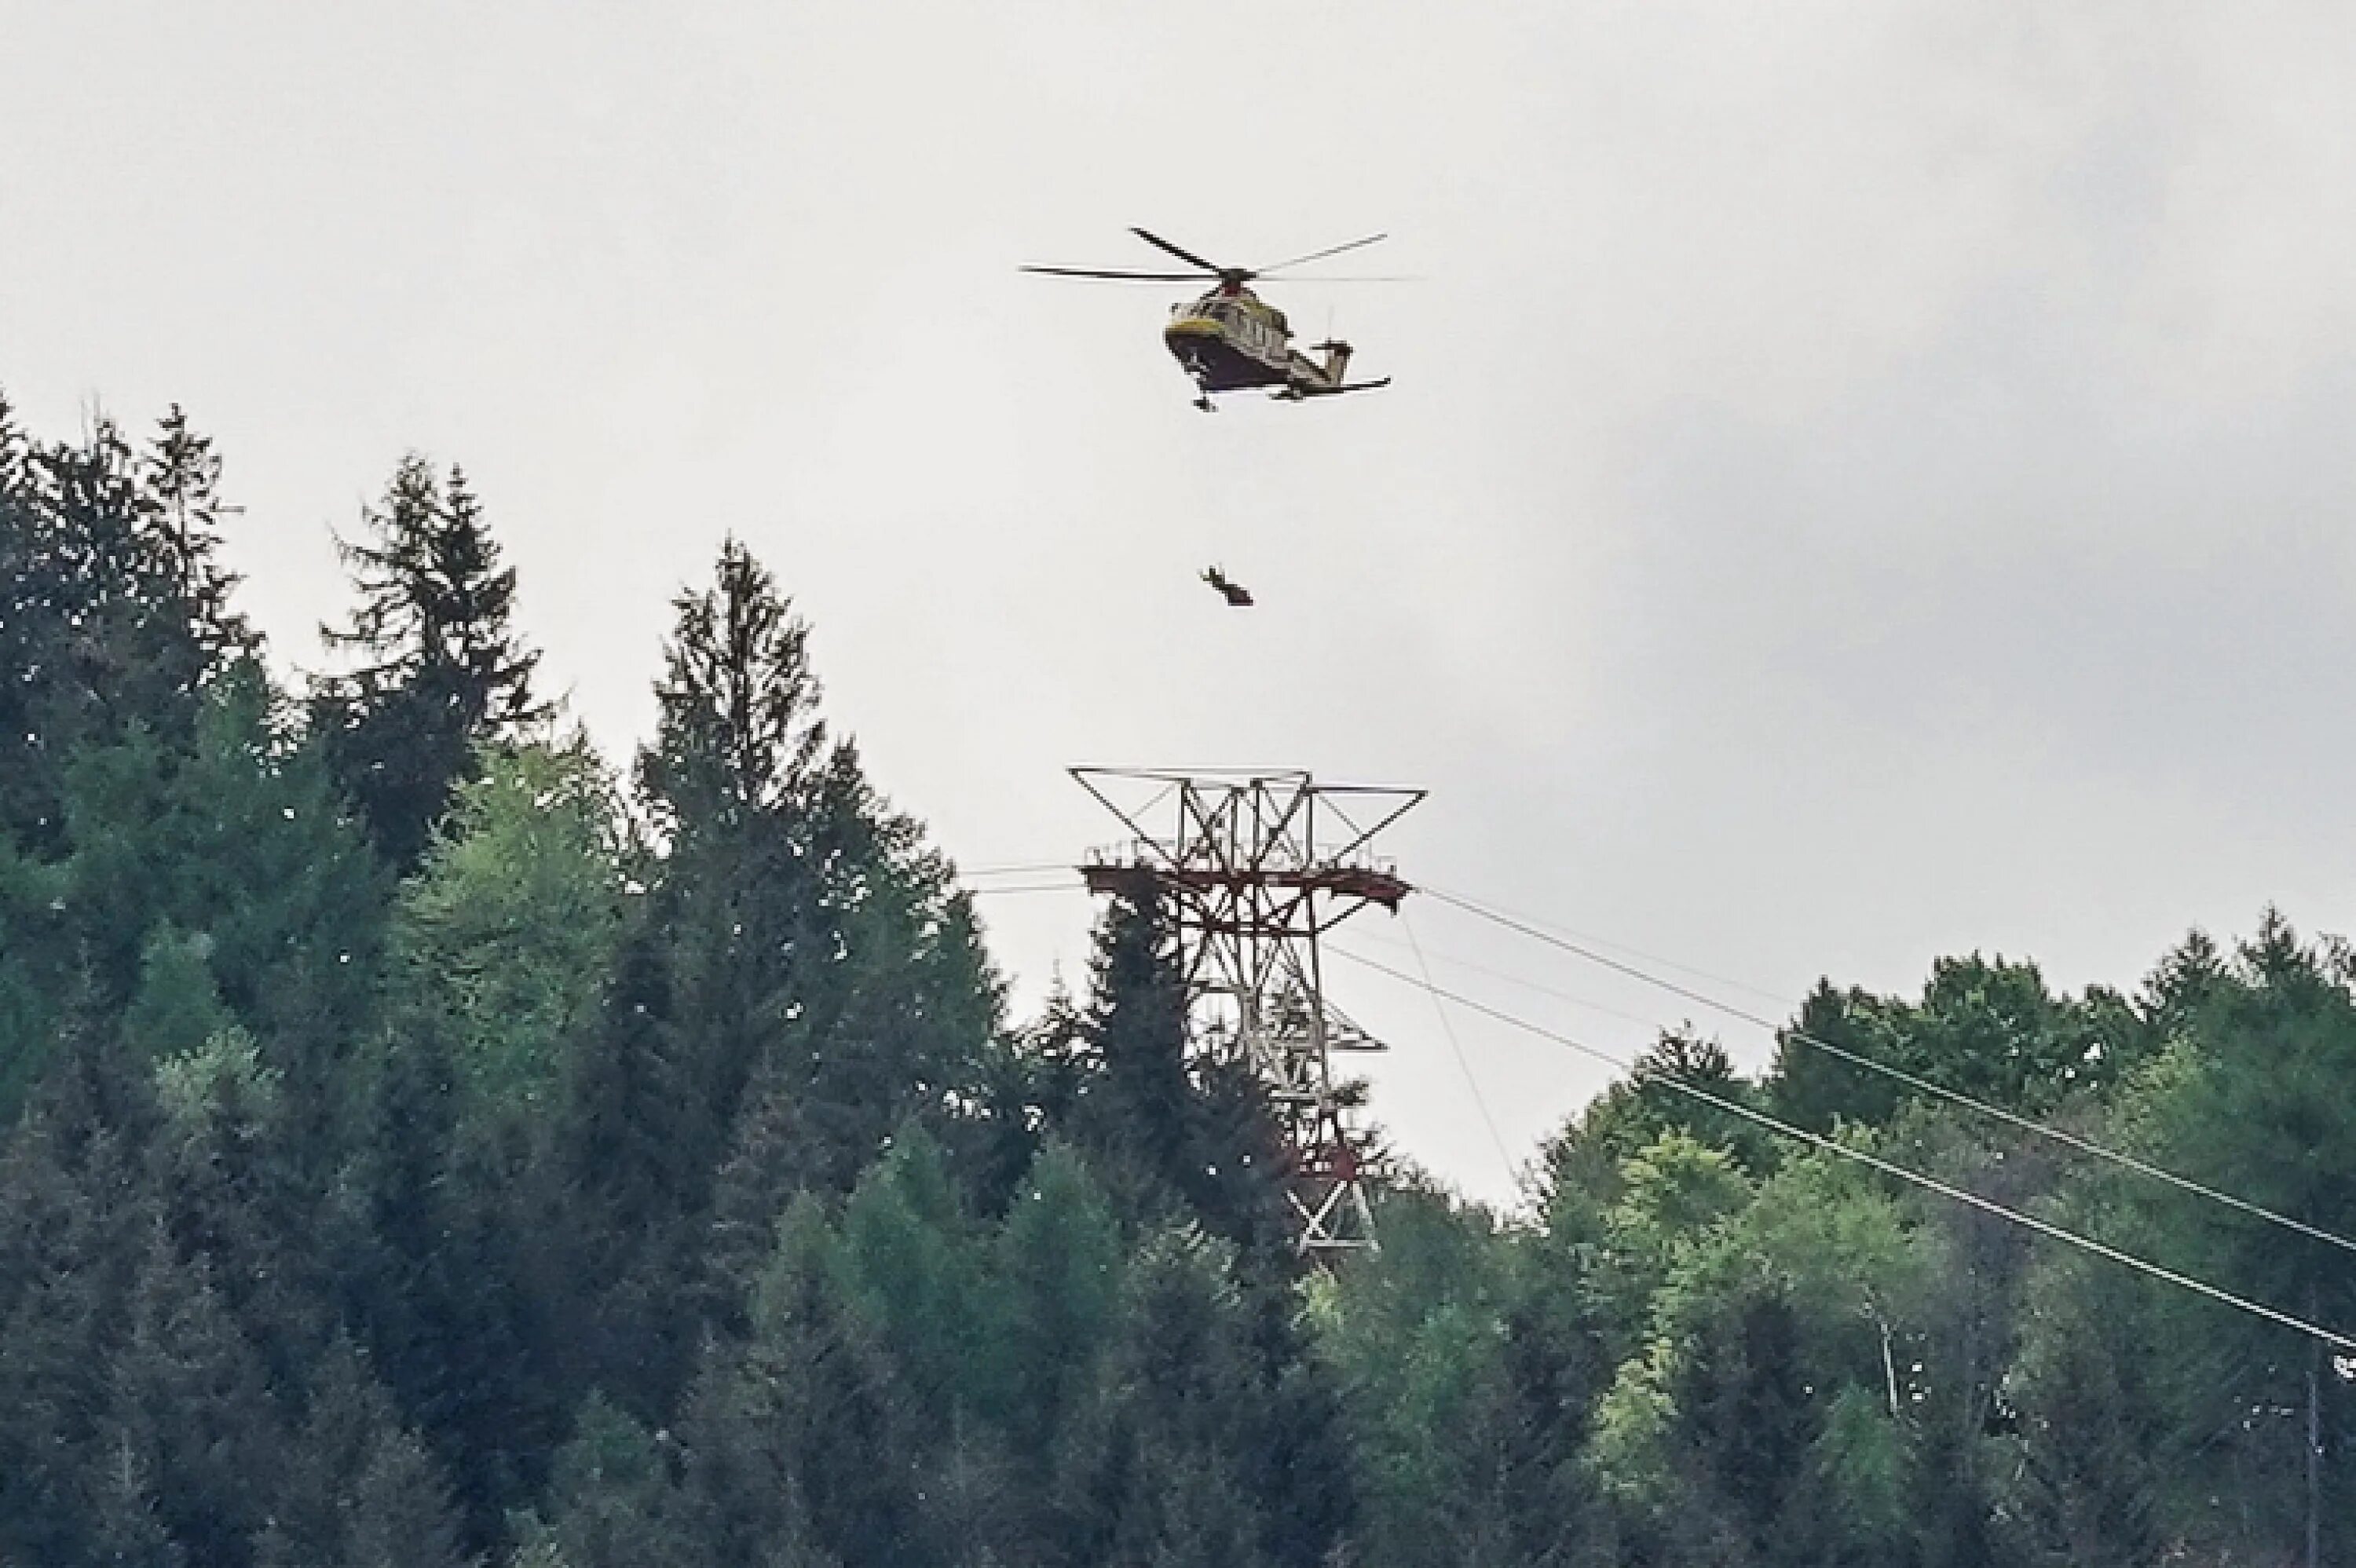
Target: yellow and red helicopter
<point x="1230" y="339"/>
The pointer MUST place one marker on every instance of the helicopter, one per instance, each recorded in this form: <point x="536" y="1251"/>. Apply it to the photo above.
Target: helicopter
<point x="1230" y="339"/>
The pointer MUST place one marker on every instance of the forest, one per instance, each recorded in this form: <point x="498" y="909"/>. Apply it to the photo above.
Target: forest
<point x="425" y="1141"/>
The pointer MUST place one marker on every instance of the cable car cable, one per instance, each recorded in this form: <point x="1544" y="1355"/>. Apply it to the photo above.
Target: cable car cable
<point x="2011" y="1118"/>
<point x="1448" y="1028"/>
<point x="1890" y="1167"/>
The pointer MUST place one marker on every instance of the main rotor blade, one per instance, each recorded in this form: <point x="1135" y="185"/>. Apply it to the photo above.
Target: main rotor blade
<point x="1117" y="276"/>
<point x="1159" y="243"/>
<point x="1321" y="255"/>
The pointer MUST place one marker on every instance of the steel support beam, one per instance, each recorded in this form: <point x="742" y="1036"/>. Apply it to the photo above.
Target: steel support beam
<point x="1253" y="868"/>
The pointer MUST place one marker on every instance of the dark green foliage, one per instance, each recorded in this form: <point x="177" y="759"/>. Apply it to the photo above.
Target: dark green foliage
<point x="401" y="1513"/>
<point x="615" y="1498"/>
<point x="113" y="612"/>
<point x="1060" y="1260"/>
<point x="440" y="666"/>
<point x="648" y="1179"/>
<point x="802" y="1440"/>
<point x="806" y="924"/>
<point x="1986" y="1029"/>
<point x="1159" y="1470"/>
<point x="1175" y="1136"/>
<point x="76" y="1223"/>
<point x="196" y="883"/>
<point x="190" y="1404"/>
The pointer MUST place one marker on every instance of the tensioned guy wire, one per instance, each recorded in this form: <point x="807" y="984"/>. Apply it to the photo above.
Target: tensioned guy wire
<point x="1890" y="1167"/>
<point x="2011" y="1118"/>
<point x="1463" y="1063"/>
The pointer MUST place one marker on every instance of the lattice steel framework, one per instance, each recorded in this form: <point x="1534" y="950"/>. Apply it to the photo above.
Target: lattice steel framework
<point x="1253" y="868"/>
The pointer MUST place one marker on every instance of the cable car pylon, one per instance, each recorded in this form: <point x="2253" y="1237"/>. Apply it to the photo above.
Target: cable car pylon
<point x="1253" y="868"/>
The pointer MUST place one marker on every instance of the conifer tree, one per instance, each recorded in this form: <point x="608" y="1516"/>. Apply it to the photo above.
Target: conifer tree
<point x="231" y="1196"/>
<point x="1060" y="1257"/>
<point x="1159" y="1470"/>
<point x="218" y="875"/>
<point x="769" y="1163"/>
<point x="739" y="731"/>
<point x="191" y="1401"/>
<point x="345" y="1415"/>
<point x="183" y="473"/>
<point x="401" y="1511"/>
<point x="1172" y="1138"/>
<point x="912" y="1277"/>
<point x="632" y="1163"/>
<point x="615" y="1498"/>
<point x="1135" y="1108"/>
<point x="441" y="667"/>
<point x="75" y="1220"/>
<point x="112" y="613"/>
<point x="799" y="1443"/>
<point x="126" y="1528"/>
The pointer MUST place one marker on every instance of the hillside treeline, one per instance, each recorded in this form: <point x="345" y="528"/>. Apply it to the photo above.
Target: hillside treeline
<point x="426" y="1145"/>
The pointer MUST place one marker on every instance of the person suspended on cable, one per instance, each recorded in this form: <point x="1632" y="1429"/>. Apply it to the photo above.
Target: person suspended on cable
<point x="1234" y="592"/>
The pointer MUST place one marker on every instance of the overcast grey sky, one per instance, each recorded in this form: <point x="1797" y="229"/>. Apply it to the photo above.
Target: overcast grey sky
<point x="1864" y="481"/>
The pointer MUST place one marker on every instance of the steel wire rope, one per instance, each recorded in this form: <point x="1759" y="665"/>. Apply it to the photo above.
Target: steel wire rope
<point x="1463" y="1062"/>
<point x="1955" y="1096"/>
<point x="1493" y="912"/>
<point x="1585" y="1004"/>
<point x="2046" y="1228"/>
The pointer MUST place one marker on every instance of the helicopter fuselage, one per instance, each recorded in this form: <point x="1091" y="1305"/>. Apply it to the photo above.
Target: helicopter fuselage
<point x="1231" y="340"/>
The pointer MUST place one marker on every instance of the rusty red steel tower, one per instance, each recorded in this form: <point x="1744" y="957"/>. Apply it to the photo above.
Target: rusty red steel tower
<point x="1252" y="869"/>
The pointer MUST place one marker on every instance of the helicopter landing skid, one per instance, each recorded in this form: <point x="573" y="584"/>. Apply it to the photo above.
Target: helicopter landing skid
<point x="1297" y="393"/>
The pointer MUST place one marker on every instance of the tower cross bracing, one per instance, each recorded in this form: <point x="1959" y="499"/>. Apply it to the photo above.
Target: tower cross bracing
<point x="1252" y="869"/>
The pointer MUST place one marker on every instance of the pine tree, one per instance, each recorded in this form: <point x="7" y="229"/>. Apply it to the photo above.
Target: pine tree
<point x="739" y="731"/>
<point x="232" y="1195"/>
<point x="616" y="1501"/>
<point x="1135" y="1111"/>
<point x="112" y="613"/>
<point x="1159" y="1470"/>
<point x="184" y="474"/>
<point x="800" y="1442"/>
<point x="441" y="667"/>
<point x="1172" y="1138"/>
<point x="2249" y="1100"/>
<point x="75" y="1218"/>
<point x="126" y="1528"/>
<point x="1060" y="1257"/>
<point x="191" y="1401"/>
<point x="347" y="1414"/>
<point x="769" y="1163"/>
<point x="632" y="1166"/>
<point x="401" y="1511"/>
